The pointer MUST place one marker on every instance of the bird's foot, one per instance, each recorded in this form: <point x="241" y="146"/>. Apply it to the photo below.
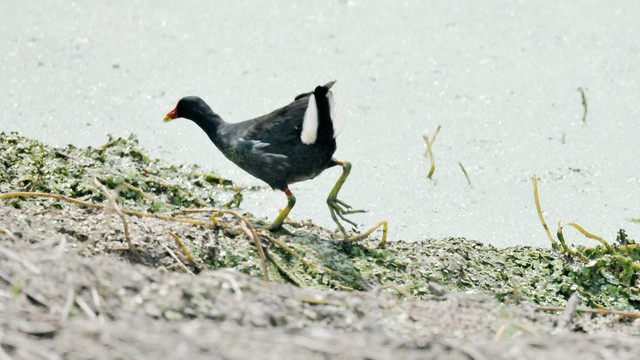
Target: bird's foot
<point x="271" y="227"/>
<point x="282" y="216"/>
<point x="276" y="226"/>
<point x="261" y="224"/>
<point x="279" y="230"/>
<point x="340" y="208"/>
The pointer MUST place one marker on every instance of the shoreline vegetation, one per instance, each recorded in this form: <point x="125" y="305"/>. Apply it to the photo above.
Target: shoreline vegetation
<point x="111" y="236"/>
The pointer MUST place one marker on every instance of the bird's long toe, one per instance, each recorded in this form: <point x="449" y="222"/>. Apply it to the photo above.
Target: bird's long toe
<point x="342" y="208"/>
<point x="339" y="209"/>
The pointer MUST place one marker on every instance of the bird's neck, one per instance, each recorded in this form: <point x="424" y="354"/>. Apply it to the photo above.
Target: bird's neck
<point x="211" y="123"/>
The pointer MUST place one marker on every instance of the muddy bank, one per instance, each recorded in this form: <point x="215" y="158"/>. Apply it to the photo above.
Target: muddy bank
<point x="72" y="288"/>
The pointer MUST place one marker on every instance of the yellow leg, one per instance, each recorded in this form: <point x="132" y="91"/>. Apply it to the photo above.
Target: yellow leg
<point x="291" y="200"/>
<point x="338" y="207"/>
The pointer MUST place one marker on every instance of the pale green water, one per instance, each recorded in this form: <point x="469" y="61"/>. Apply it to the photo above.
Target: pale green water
<point x="501" y="79"/>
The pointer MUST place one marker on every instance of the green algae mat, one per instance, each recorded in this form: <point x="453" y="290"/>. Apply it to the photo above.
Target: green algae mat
<point x="214" y="233"/>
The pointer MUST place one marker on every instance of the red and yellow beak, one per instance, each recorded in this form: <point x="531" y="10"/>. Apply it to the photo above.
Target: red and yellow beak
<point x="171" y="116"/>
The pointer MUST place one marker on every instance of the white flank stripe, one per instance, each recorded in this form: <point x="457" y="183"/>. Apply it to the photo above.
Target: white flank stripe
<point x="335" y="109"/>
<point x="310" y="122"/>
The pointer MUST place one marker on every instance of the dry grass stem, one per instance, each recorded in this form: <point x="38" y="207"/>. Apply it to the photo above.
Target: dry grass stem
<point x="10" y="234"/>
<point x="595" y="237"/>
<point x="95" y="297"/>
<point x="309" y="264"/>
<point x="183" y="248"/>
<point x="52" y="196"/>
<point x="570" y="311"/>
<point x="178" y="262"/>
<point x="584" y="104"/>
<point x="385" y="227"/>
<point x="113" y="202"/>
<point x="614" y="252"/>
<point x="68" y="304"/>
<point x="291" y="276"/>
<point x="192" y="211"/>
<point x="86" y="308"/>
<point x="395" y="287"/>
<point x="429" y="152"/>
<point x="315" y="301"/>
<point x="253" y="235"/>
<point x="554" y="244"/>
<point x="566" y="248"/>
<point x="501" y="331"/>
<point x="125" y="211"/>
<point x="245" y="225"/>
<point x="465" y="174"/>
<point x="158" y="180"/>
<point x="234" y="199"/>
<point x="144" y="195"/>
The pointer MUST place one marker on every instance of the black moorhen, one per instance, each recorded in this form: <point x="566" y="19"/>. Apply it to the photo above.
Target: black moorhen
<point x="290" y="144"/>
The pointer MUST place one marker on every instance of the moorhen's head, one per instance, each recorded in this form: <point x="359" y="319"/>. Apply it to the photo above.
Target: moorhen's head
<point x="189" y="107"/>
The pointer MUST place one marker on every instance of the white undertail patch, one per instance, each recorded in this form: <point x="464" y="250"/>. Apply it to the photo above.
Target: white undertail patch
<point x="310" y="122"/>
<point x="335" y="110"/>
